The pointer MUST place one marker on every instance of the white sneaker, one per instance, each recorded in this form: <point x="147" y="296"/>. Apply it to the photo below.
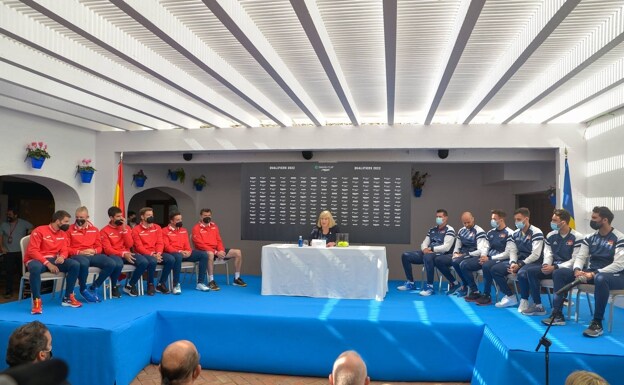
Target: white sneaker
<point x="507" y="301"/>
<point x="202" y="287"/>
<point x="177" y="289"/>
<point x="427" y="291"/>
<point x="407" y="286"/>
<point x="524" y="304"/>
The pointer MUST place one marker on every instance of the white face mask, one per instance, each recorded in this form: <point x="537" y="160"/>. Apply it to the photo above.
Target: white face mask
<point x="493" y="223"/>
<point x="439" y="221"/>
<point x="520" y="225"/>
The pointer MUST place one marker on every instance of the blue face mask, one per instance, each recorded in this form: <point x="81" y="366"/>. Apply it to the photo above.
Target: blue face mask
<point x="520" y="225"/>
<point x="493" y="223"/>
<point x="554" y="226"/>
<point x="439" y="221"/>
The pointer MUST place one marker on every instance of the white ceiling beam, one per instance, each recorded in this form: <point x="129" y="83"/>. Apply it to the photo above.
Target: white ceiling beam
<point x="50" y="87"/>
<point x="60" y="115"/>
<point x="390" y="42"/>
<point x="601" y="82"/>
<point x="310" y="18"/>
<point x="163" y="24"/>
<point x="536" y="31"/>
<point x="20" y="55"/>
<point x="606" y="36"/>
<point x="234" y="17"/>
<point x="78" y="18"/>
<point x="466" y="21"/>
<point x="604" y="104"/>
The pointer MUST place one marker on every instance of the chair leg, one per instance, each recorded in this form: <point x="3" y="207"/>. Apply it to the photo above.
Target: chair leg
<point x="549" y="297"/>
<point x="576" y="308"/>
<point x="591" y="310"/>
<point x="611" y="314"/>
<point x="515" y="283"/>
<point x="227" y="272"/>
<point x="21" y="289"/>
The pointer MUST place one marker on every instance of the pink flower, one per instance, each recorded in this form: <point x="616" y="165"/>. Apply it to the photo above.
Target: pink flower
<point x="33" y="144"/>
<point x="40" y="144"/>
<point x="45" y="146"/>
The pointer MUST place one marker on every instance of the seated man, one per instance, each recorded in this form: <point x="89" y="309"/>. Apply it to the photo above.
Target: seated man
<point x="206" y="237"/>
<point x="116" y="243"/>
<point x="603" y="253"/>
<point x="148" y="241"/>
<point x="561" y="246"/>
<point x="85" y="247"/>
<point x="349" y="369"/>
<point x="176" y="242"/>
<point x="180" y="363"/>
<point x="29" y="343"/>
<point x="497" y="239"/>
<point x="439" y="241"/>
<point x="47" y="250"/>
<point x="525" y="247"/>
<point x="470" y="245"/>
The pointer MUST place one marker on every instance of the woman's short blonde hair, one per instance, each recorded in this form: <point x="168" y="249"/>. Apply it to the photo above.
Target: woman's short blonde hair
<point x="326" y="214"/>
<point x="583" y="377"/>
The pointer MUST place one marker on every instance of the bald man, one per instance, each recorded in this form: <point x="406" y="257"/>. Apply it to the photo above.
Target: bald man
<point x="180" y="363"/>
<point x="349" y="369"/>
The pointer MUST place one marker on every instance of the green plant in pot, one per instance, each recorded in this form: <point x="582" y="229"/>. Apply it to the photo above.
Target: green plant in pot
<point x="418" y="182"/>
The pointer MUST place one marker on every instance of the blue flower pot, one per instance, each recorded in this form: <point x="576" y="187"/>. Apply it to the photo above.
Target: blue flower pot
<point x="417" y="192"/>
<point x="37" y="162"/>
<point x="86" y="176"/>
<point x="140" y="182"/>
<point x="173" y="176"/>
<point x="199" y="187"/>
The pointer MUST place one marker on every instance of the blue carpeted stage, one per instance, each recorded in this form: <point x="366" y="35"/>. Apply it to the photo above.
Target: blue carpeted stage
<point x="404" y="338"/>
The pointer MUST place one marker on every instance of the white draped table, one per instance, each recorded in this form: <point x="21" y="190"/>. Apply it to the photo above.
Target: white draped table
<point x="354" y="272"/>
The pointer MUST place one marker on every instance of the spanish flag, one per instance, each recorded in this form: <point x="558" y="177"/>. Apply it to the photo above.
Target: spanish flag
<point x="118" y="198"/>
<point x="567" y="193"/>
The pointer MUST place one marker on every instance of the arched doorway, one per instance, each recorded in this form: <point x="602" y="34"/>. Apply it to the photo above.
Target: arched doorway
<point x="163" y="200"/>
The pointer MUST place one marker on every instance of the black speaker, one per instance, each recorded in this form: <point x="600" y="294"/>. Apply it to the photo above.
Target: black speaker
<point x="443" y="154"/>
<point x="187" y="156"/>
<point x="307" y="155"/>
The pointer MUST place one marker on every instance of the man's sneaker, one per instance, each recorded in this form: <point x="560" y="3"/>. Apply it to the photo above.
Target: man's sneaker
<point x="71" y="301"/>
<point x="161" y="288"/>
<point x="407" y="286"/>
<point x="213" y="286"/>
<point x="594" y="329"/>
<point x="507" y="301"/>
<point x="453" y="287"/>
<point x="88" y="295"/>
<point x="239" y="282"/>
<point x="556" y="318"/>
<point x="535" y="309"/>
<point x="150" y="289"/>
<point x="201" y="287"/>
<point x="427" y="290"/>
<point x="177" y="289"/>
<point x="473" y="297"/>
<point x="115" y="292"/>
<point x="95" y="295"/>
<point x="484" y="300"/>
<point x="462" y="292"/>
<point x="131" y="290"/>
<point x="37" y="308"/>
<point x="524" y="304"/>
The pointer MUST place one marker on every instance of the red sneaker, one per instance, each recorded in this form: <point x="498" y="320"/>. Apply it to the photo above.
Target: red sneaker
<point x="71" y="301"/>
<point x="36" y="306"/>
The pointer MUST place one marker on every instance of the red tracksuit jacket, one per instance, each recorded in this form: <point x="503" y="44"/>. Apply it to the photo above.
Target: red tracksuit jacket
<point x="46" y="242"/>
<point x="115" y="240"/>
<point x="87" y="237"/>
<point x="206" y="237"/>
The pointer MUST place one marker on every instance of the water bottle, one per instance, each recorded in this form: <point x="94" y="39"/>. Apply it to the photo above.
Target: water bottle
<point x="300" y="241"/>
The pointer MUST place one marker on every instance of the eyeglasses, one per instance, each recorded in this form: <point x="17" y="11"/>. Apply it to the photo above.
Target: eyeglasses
<point x="49" y="352"/>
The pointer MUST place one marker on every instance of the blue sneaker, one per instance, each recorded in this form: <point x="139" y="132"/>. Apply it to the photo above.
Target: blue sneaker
<point x="88" y="295"/>
<point x="94" y="293"/>
<point x="427" y="290"/>
<point x="407" y="286"/>
<point x="462" y="292"/>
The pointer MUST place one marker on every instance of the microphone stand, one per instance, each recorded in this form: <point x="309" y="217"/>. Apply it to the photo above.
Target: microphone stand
<point x="546" y="342"/>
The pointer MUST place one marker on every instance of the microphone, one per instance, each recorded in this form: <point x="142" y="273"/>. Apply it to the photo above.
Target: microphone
<point x="580" y="279"/>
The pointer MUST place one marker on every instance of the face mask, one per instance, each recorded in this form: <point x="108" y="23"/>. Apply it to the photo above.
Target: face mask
<point x="64" y="227"/>
<point x="179" y="224"/>
<point x="439" y="221"/>
<point x="149" y="219"/>
<point x="80" y="222"/>
<point x="9" y="219"/>
<point x="595" y="225"/>
<point x="554" y="226"/>
<point x="493" y="223"/>
<point x="206" y="219"/>
<point x="520" y="225"/>
<point x="118" y="222"/>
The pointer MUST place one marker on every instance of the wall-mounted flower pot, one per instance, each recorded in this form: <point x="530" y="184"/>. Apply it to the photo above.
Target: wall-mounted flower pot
<point x="173" y="176"/>
<point x="417" y="192"/>
<point x="37" y="162"/>
<point x="198" y="187"/>
<point x="86" y="176"/>
<point x="140" y="182"/>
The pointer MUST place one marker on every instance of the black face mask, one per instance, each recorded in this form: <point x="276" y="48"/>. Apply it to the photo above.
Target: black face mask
<point x="64" y="227"/>
<point x="595" y="225"/>
<point x="206" y="219"/>
<point x="179" y="224"/>
<point x="10" y="219"/>
<point x="80" y="222"/>
<point x="149" y="219"/>
<point x="118" y="222"/>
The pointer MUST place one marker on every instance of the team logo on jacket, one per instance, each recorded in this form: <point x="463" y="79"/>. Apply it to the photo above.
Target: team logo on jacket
<point x="503" y="235"/>
<point x="610" y="243"/>
<point x="570" y="242"/>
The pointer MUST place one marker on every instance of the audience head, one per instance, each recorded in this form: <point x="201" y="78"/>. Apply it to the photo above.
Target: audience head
<point x="180" y="363"/>
<point x="60" y="220"/>
<point x="560" y="219"/>
<point x="326" y="219"/>
<point x="349" y="369"/>
<point x="601" y="217"/>
<point x="205" y="215"/>
<point x="468" y="220"/>
<point x="115" y="216"/>
<point x="521" y="218"/>
<point x="29" y="343"/>
<point x="441" y="217"/>
<point x="131" y="216"/>
<point x="497" y="218"/>
<point x="82" y="215"/>
<point x="175" y="219"/>
<point x="12" y="214"/>
<point x="583" y="377"/>
<point x="147" y="215"/>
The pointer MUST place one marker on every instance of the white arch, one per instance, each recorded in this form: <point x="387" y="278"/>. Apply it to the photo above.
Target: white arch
<point x="186" y="204"/>
<point x="65" y="197"/>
